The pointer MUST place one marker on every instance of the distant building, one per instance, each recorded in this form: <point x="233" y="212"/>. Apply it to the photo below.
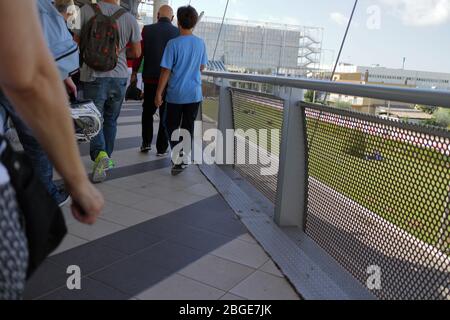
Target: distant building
<point x="390" y="76"/>
<point x="262" y="47"/>
<point x="387" y="77"/>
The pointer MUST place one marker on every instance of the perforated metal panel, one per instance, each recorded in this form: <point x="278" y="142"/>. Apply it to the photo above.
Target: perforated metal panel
<point x="379" y="200"/>
<point x="210" y="105"/>
<point x="252" y="113"/>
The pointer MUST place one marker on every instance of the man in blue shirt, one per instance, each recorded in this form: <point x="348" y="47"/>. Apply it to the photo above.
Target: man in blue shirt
<point x="183" y="61"/>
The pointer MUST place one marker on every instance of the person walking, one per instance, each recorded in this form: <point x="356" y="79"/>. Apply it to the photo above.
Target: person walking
<point x="104" y="72"/>
<point x="154" y="41"/>
<point x="61" y="39"/>
<point x="185" y="57"/>
<point x="30" y="79"/>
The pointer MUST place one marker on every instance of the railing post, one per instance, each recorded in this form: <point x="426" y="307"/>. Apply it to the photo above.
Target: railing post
<point x="292" y="177"/>
<point x="225" y="148"/>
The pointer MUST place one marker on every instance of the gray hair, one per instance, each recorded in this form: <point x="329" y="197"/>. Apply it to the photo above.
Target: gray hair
<point x="63" y="5"/>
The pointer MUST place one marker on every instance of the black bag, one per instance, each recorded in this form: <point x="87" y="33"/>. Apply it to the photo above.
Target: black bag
<point x="43" y="221"/>
<point x="133" y="92"/>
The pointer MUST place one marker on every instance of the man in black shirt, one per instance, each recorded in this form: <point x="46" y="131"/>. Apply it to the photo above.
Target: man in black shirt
<point x="154" y="40"/>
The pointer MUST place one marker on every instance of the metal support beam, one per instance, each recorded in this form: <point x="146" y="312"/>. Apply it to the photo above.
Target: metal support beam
<point x="225" y="122"/>
<point x="292" y="177"/>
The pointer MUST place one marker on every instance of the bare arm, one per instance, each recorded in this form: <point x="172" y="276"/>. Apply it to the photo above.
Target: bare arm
<point x="134" y="51"/>
<point x="31" y="81"/>
<point x="163" y="81"/>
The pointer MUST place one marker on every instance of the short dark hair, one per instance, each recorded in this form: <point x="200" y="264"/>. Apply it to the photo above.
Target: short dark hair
<point x="187" y="17"/>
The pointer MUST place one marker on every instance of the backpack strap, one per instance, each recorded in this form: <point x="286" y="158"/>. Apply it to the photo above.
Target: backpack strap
<point x="96" y="8"/>
<point x="119" y="13"/>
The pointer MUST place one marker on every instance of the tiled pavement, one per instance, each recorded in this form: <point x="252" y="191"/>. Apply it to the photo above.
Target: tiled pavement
<point x="160" y="237"/>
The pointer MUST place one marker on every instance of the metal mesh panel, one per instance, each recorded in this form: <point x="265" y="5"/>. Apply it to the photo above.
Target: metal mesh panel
<point x="210" y="105"/>
<point x="379" y="195"/>
<point x="257" y="111"/>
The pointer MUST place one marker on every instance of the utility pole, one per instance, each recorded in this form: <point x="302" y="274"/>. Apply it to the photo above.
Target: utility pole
<point x="156" y="5"/>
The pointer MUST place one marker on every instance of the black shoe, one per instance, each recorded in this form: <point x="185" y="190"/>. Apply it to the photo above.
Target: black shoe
<point x="177" y="169"/>
<point x="63" y="198"/>
<point x="162" y="154"/>
<point x="146" y="148"/>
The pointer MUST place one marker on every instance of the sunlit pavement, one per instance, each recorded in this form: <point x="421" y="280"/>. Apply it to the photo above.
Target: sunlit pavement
<point x="160" y="237"/>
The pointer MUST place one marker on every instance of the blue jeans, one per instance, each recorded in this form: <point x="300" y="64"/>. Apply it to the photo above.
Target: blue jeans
<point x="108" y="95"/>
<point x="39" y="158"/>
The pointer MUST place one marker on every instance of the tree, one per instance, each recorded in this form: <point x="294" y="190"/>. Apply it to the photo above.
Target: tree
<point x="442" y="117"/>
<point x="426" y="109"/>
<point x="309" y="96"/>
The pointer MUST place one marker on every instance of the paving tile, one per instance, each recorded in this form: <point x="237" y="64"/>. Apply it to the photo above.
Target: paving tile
<point x="202" y="189"/>
<point x="186" y="198"/>
<point x="247" y="238"/>
<point x="68" y="243"/>
<point x="125" y="198"/>
<point x="129" y="241"/>
<point x="205" y="212"/>
<point x="201" y="240"/>
<point x="242" y="252"/>
<point x="177" y="183"/>
<point x="264" y="286"/>
<point x="155" y="206"/>
<point x="90" y="257"/>
<point x="178" y="287"/>
<point x="154" y="190"/>
<point x="133" y="275"/>
<point x="100" y="229"/>
<point x="231" y="297"/>
<point x="68" y="216"/>
<point x="107" y="189"/>
<point x="125" y="216"/>
<point x="125" y="183"/>
<point x="168" y="193"/>
<point x="47" y="278"/>
<point x="90" y="290"/>
<point x="165" y="226"/>
<point x="217" y="272"/>
<point x="170" y="256"/>
<point x="228" y="227"/>
<point x="271" y="268"/>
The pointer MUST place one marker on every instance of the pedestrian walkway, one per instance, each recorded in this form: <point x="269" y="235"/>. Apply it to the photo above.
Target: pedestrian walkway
<point x="160" y="237"/>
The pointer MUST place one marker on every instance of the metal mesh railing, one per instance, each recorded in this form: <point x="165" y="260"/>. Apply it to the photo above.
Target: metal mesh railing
<point x="379" y="196"/>
<point x="258" y="120"/>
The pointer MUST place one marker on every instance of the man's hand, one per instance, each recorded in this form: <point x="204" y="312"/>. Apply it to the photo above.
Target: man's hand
<point x="133" y="78"/>
<point x="87" y="202"/>
<point x="159" y="100"/>
<point x="71" y="87"/>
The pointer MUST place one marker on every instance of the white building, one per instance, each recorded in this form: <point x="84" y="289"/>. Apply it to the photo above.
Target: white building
<point x="262" y="46"/>
<point x="389" y="76"/>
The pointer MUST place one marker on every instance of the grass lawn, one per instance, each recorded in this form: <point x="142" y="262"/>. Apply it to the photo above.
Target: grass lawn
<point x="410" y="187"/>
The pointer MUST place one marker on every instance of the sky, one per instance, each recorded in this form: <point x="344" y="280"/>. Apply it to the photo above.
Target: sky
<point x="383" y="31"/>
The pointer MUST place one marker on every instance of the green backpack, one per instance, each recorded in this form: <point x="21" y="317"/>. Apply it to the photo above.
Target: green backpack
<point x="100" y="40"/>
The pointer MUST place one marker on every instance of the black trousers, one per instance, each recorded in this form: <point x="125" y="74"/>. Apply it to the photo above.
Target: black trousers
<point x="149" y="110"/>
<point x="180" y="116"/>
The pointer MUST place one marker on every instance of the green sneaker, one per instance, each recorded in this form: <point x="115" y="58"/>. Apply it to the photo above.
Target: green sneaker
<point x="111" y="164"/>
<point x="101" y="165"/>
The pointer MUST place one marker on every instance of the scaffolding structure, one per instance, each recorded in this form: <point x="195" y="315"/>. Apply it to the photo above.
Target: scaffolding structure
<point x="263" y="47"/>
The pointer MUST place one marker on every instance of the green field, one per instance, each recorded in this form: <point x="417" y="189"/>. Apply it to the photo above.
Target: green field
<point x="410" y="187"/>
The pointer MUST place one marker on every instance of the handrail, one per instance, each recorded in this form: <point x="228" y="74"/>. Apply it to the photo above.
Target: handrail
<point x="408" y="95"/>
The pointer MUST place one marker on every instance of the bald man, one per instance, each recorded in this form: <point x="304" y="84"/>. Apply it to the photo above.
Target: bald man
<point x="154" y="40"/>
